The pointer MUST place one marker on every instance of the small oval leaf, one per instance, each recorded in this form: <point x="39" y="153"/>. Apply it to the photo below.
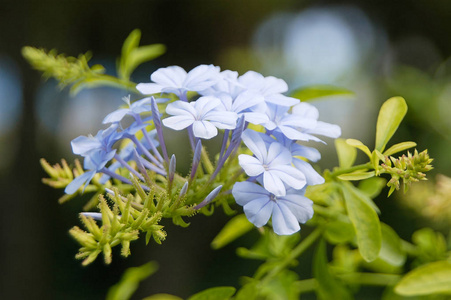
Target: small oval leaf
<point x="366" y="222"/>
<point x="390" y="116"/>
<point x="216" y="293"/>
<point x="432" y="278"/>
<point x="358" y="144"/>
<point x="236" y="227"/>
<point x="399" y="147"/>
<point x="346" y="153"/>
<point x="358" y="175"/>
<point x="314" y="92"/>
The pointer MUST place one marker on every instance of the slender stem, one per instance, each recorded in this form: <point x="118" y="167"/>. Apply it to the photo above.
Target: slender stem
<point x="224" y="143"/>
<point x="370" y="278"/>
<point x="121" y="178"/>
<point x="206" y="161"/>
<point x="128" y="167"/>
<point x="351" y="169"/>
<point x="300" y="248"/>
<point x="152" y="146"/>
<point x="145" y="151"/>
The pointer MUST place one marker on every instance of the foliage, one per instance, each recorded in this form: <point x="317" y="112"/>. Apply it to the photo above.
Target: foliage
<point x="346" y="217"/>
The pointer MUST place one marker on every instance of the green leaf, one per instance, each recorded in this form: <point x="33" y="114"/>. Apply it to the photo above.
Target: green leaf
<point x="315" y="92"/>
<point x="143" y="54"/>
<point x="372" y="187"/>
<point x="162" y="297"/>
<point x="236" y="227"/>
<point x="129" y="282"/>
<point x="390" y="116"/>
<point x="346" y="153"/>
<point x="433" y="278"/>
<point x="399" y="147"/>
<point x="391" y="250"/>
<point x="337" y="232"/>
<point x="366" y="222"/>
<point x="358" y="175"/>
<point x="329" y="286"/>
<point x="358" y="144"/>
<point x="133" y="55"/>
<point x="216" y="293"/>
<point x="247" y="292"/>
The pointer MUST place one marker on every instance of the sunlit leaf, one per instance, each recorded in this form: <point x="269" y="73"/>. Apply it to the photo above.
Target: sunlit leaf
<point x="399" y="147"/>
<point x="216" y="293"/>
<point x="329" y="286"/>
<point x="236" y="227"/>
<point x="358" y="144"/>
<point x="346" y="153"/>
<point x="338" y="232"/>
<point x="432" y="278"/>
<point x="129" y="282"/>
<point x="372" y="187"/>
<point x="358" y="175"/>
<point x="391" y="250"/>
<point x="247" y="292"/>
<point x="315" y="92"/>
<point x="366" y="223"/>
<point x="390" y="116"/>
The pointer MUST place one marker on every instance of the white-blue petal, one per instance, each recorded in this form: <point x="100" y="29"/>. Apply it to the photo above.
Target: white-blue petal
<point x="300" y="206"/>
<point x="273" y="183"/>
<point x="245" y="191"/>
<point x="283" y="221"/>
<point x="149" y="88"/>
<point x="258" y="212"/>
<point x="290" y="175"/>
<point x="312" y="177"/>
<point x="169" y="77"/>
<point x="251" y="165"/>
<point x="180" y="107"/>
<point x="78" y="182"/>
<point x="204" y="130"/>
<point x="178" y="122"/>
<point x="255" y="143"/>
<point x="116" y="116"/>
<point x="278" y="155"/>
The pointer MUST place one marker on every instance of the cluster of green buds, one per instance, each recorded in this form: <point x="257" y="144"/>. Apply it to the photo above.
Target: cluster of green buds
<point x="408" y="168"/>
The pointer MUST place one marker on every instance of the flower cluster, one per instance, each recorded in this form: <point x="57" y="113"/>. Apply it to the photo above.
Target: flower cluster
<point x="277" y="171"/>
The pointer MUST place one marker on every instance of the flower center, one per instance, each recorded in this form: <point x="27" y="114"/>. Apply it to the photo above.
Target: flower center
<point x="266" y="167"/>
<point x="272" y="197"/>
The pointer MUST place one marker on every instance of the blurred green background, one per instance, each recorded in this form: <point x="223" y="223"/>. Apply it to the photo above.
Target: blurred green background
<point x="378" y="49"/>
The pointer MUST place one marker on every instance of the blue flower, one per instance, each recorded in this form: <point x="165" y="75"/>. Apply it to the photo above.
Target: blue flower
<point x="307" y="111"/>
<point x="175" y="80"/>
<point x="242" y="104"/>
<point x="259" y="205"/>
<point x="104" y="140"/>
<point x="271" y="88"/>
<point x="94" y="162"/>
<point x="202" y="114"/>
<point x="272" y="163"/>
<point x="134" y="109"/>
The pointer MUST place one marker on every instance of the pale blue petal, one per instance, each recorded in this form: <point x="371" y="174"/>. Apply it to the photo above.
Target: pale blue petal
<point x="83" y="144"/>
<point x="116" y="116"/>
<point x="245" y="191"/>
<point x="258" y="212"/>
<point x="202" y="77"/>
<point x="246" y="100"/>
<point x="256" y="118"/>
<point x="290" y="175"/>
<point x="312" y="177"/>
<point x="326" y="129"/>
<point x="306" y="110"/>
<point x="282" y="100"/>
<point x="300" y="206"/>
<point x="251" y="165"/>
<point x="283" y="221"/>
<point x="252" y="80"/>
<point x="273" y="183"/>
<point x="78" y="182"/>
<point x="149" y="88"/>
<point x="296" y="121"/>
<point x="310" y="153"/>
<point x="275" y="85"/>
<point x="169" y="77"/>
<point x="222" y="119"/>
<point x="178" y="122"/>
<point x="204" y="130"/>
<point x="180" y="107"/>
<point x="203" y="105"/>
<point x="278" y="155"/>
<point x="255" y="143"/>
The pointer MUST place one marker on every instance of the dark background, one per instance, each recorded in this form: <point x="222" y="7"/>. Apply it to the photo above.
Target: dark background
<point x="37" y="259"/>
